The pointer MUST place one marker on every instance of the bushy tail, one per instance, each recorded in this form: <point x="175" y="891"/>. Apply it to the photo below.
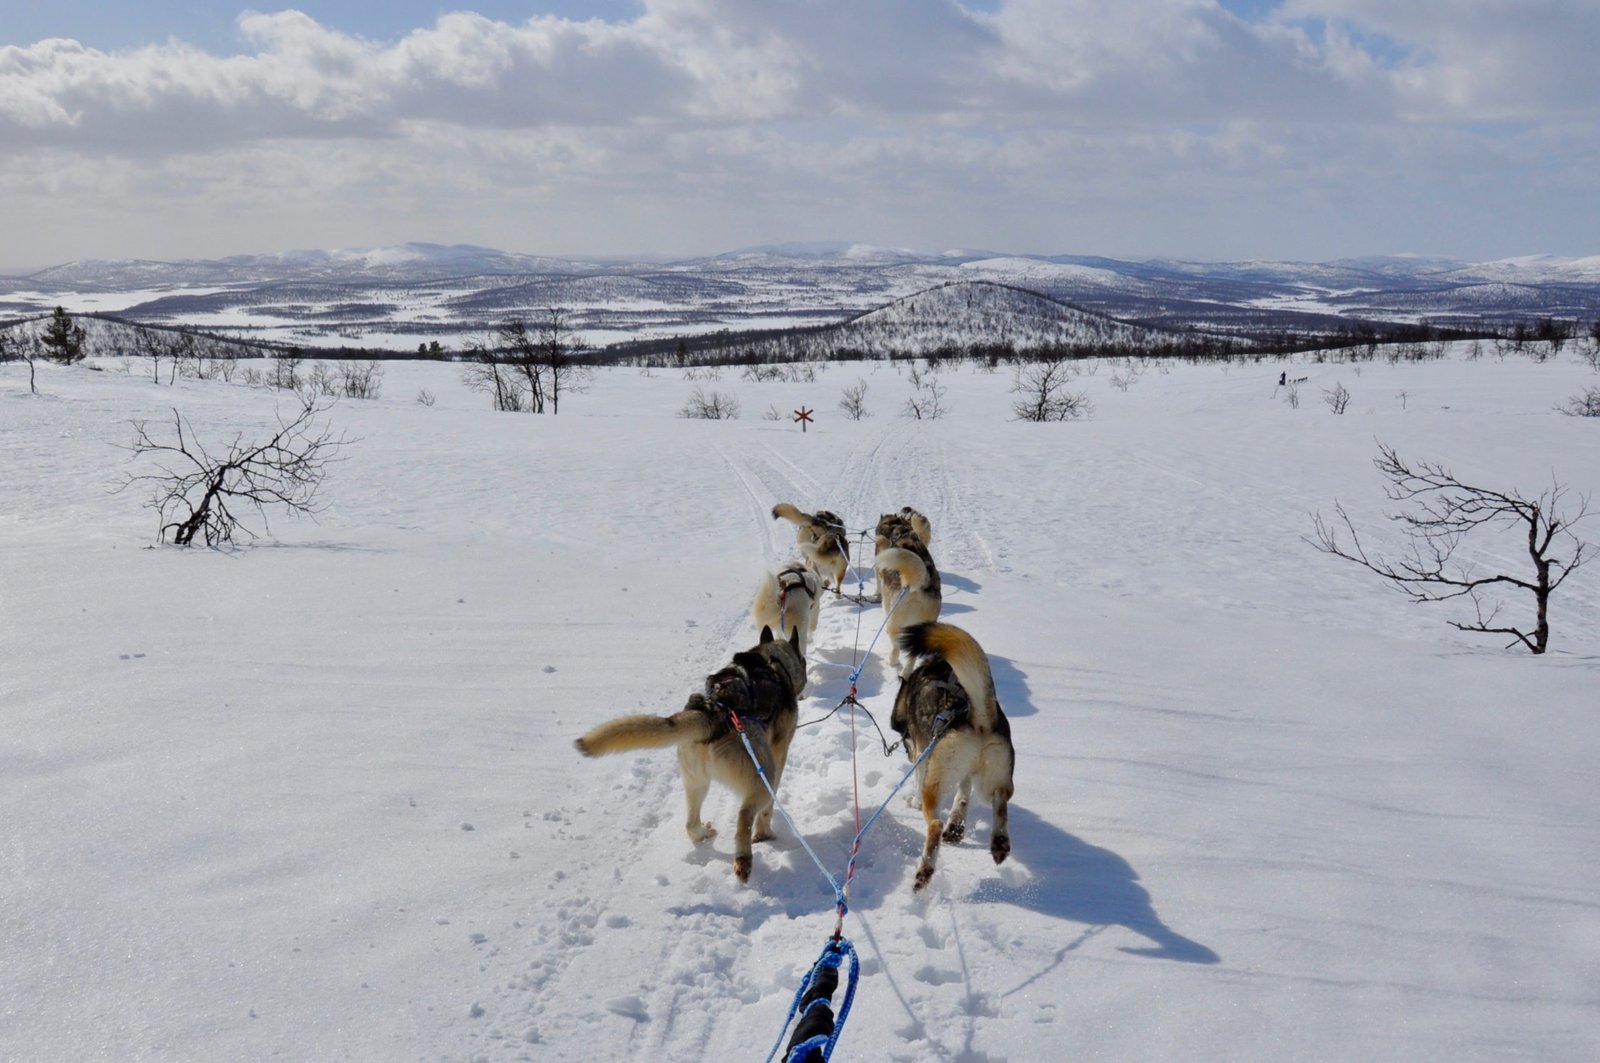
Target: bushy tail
<point x="790" y="514"/>
<point x="626" y="734"/>
<point x="908" y="566"/>
<point x="966" y="659"/>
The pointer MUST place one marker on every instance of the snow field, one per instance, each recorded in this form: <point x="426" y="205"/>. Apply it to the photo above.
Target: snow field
<point x="316" y="798"/>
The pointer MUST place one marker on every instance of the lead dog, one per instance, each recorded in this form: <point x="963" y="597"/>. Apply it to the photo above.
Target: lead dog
<point x="950" y="693"/>
<point x="911" y="591"/>
<point x="821" y="536"/>
<point x="789" y="600"/>
<point x="907" y="518"/>
<point x="762" y="687"/>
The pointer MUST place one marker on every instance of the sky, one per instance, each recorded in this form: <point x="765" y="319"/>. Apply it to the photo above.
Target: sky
<point x="1300" y="129"/>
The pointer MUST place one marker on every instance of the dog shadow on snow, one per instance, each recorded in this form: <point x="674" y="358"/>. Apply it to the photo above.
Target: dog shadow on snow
<point x="1072" y="879"/>
<point x="1081" y="883"/>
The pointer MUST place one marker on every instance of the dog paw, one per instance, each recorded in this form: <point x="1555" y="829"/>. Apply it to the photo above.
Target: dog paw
<point x="702" y="834"/>
<point x="1000" y="848"/>
<point x="924" y="873"/>
<point x="954" y="831"/>
<point x="763" y="836"/>
<point x="741" y="868"/>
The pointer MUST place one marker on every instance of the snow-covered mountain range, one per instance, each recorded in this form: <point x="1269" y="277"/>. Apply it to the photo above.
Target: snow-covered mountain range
<point x="401" y="296"/>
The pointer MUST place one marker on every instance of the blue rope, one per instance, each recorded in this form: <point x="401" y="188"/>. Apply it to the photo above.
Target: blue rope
<point x="838" y="890"/>
<point x="864" y="657"/>
<point x="855" y="844"/>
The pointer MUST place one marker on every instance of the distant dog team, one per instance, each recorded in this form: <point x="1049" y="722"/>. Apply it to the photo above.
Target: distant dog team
<point x="946" y="694"/>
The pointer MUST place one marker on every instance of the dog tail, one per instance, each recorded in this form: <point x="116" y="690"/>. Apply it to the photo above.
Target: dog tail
<point x="919" y="525"/>
<point x="966" y="659"/>
<point x="790" y="514"/>
<point x="626" y="734"/>
<point x="903" y="563"/>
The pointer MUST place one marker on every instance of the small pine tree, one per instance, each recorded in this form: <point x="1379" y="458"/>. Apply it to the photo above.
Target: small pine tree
<point x="62" y="338"/>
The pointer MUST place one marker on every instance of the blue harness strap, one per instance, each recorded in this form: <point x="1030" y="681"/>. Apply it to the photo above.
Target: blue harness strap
<point x="818" y="1030"/>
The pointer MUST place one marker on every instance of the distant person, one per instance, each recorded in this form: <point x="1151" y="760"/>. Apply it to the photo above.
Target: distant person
<point x="1283" y="378"/>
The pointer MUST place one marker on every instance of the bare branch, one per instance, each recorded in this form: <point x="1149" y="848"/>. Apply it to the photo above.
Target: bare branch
<point x="196" y="494"/>
<point x="1443" y="511"/>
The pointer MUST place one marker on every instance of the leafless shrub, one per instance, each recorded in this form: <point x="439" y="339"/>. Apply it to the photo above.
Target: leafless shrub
<point x="927" y="394"/>
<point x="772" y="413"/>
<point x="360" y="380"/>
<point x="320" y="379"/>
<point x="1337" y="398"/>
<point x="199" y="495"/>
<point x="761" y="373"/>
<point x="486" y="373"/>
<point x="24" y="348"/>
<point x="425" y="398"/>
<point x="1291" y="395"/>
<point x="717" y="406"/>
<point x="854" y="401"/>
<point x="286" y="372"/>
<point x="1584" y="404"/>
<point x="1042" y="393"/>
<point x="1443" y="511"/>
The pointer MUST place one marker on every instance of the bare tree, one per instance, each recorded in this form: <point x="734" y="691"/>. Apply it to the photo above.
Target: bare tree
<point x="1584" y="404"/>
<point x="198" y="494"/>
<point x="1443" y="511"/>
<point x="1043" y="394"/>
<point x="1336" y="397"/>
<point x="286" y="371"/>
<point x="927" y="395"/>
<point x="854" y="402"/>
<point x="487" y="373"/>
<point x="360" y="379"/>
<point x="716" y="406"/>
<point x="545" y="357"/>
<point x="25" y="348"/>
<point x="560" y="347"/>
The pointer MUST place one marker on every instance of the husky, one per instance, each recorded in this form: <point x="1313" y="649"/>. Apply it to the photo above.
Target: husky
<point x="891" y="527"/>
<point x="898" y="529"/>
<point x="789" y="600"/>
<point x="760" y="690"/>
<point x="821" y="536"/>
<point x="911" y="591"/>
<point x="950" y="693"/>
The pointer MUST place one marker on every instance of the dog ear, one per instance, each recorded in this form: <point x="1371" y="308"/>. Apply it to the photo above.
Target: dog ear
<point x="766" y="634"/>
<point x="794" y="637"/>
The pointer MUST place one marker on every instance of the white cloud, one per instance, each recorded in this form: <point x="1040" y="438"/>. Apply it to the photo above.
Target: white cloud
<point x="1077" y="123"/>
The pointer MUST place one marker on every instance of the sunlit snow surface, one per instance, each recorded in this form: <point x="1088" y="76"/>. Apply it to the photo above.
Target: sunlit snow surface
<point x="316" y="799"/>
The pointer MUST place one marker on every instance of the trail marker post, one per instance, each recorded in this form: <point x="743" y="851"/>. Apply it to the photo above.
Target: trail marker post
<point x="803" y="415"/>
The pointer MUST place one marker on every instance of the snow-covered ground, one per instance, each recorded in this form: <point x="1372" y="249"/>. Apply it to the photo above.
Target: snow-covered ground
<point x="316" y="799"/>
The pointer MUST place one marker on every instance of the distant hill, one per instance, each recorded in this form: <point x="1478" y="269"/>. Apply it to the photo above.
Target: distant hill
<point x="396" y="297"/>
<point x="960" y="317"/>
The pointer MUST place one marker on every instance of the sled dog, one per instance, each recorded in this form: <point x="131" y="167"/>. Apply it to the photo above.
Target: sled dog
<point x="891" y="526"/>
<point x="789" y="600"/>
<point x="762" y="688"/>
<point x="897" y="529"/>
<point x="821" y="536"/>
<point x="911" y="593"/>
<point x="950" y="692"/>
